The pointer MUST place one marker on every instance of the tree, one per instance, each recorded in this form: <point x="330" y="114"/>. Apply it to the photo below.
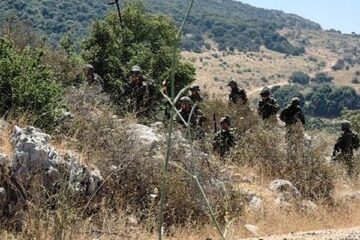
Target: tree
<point x="299" y="77"/>
<point x="322" y="78"/>
<point x="284" y="94"/>
<point x="27" y="86"/>
<point x="329" y="101"/>
<point x="147" y="41"/>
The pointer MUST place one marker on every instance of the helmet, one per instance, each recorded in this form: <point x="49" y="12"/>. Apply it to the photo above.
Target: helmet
<point x="265" y="91"/>
<point x="185" y="99"/>
<point x="295" y="101"/>
<point x="345" y="125"/>
<point x="226" y="119"/>
<point x="195" y="87"/>
<point x="89" y="67"/>
<point x="232" y="82"/>
<point x="136" y="69"/>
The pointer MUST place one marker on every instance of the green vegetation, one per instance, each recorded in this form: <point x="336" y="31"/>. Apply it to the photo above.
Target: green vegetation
<point x="322" y="78"/>
<point x="300" y="78"/>
<point x="232" y="25"/>
<point x="54" y="18"/>
<point x="321" y="101"/>
<point x="27" y="86"/>
<point x="146" y="41"/>
<point x="284" y="94"/>
<point x="329" y="101"/>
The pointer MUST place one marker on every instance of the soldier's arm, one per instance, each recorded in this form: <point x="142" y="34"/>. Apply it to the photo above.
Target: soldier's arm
<point x="260" y="106"/>
<point x="283" y="115"/>
<point x="302" y="117"/>
<point x="338" y="145"/>
<point x="215" y="142"/>
<point x="275" y="106"/>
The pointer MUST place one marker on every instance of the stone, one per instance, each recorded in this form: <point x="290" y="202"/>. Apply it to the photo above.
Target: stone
<point x="254" y="201"/>
<point x="33" y="155"/>
<point x="308" y="206"/>
<point x="254" y="230"/>
<point x="284" y="186"/>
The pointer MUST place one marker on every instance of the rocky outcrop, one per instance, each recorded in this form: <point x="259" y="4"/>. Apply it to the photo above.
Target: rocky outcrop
<point x="33" y="155"/>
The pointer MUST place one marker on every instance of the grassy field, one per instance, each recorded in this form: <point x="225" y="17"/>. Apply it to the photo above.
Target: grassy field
<point x="254" y="70"/>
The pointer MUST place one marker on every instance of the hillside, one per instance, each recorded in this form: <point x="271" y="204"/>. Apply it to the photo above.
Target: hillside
<point x="89" y="158"/>
<point x="232" y="25"/>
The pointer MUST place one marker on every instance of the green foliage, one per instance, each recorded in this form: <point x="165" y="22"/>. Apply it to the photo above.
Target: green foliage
<point x="146" y="41"/>
<point x="354" y="117"/>
<point x="27" y="86"/>
<point x="231" y="24"/>
<point x="329" y="101"/>
<point x="54" y="18"/>
<point x="322" y="78"/>
<point x="300" y="78"/>
<point x="284" y="94"/>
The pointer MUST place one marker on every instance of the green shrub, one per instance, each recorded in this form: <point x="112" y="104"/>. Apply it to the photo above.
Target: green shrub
<point x="27" y="86"/>
<point x="284" y="94"/>
<point x="147" y="40"/>
<point x="329" y="101"/>
<point x="300" y="78"/>
<point x="322" y="78"/>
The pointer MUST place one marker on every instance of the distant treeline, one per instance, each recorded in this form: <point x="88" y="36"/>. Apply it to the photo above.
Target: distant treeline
<point x="232" y="25"/>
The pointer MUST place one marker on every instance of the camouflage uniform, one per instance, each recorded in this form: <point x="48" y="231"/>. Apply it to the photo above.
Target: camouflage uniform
<point x="346" y="143"/>
<point x="294" y="119"/>
<point x="293" y="113"/>
<point x="267" y="106"/>
<point x="194" y="95"/>
<point x="91" y="76"/>
<point x="223" y="140"/>
<point x="237" y="95"/>
<point x="137" y="92"/>
<point x="196" y="120"/>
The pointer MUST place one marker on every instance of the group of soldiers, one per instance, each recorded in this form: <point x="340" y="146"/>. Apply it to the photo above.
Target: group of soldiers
<point x="138" y="92"/>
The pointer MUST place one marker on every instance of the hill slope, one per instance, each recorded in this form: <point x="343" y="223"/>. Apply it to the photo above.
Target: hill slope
<point x="232" y="25"/>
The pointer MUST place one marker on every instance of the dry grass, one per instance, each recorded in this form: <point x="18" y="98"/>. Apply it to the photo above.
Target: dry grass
<point x="260" y="157"/>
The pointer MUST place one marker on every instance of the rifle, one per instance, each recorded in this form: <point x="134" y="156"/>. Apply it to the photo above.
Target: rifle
<point x="215" y="125"/>
<point x="116" y="2"/>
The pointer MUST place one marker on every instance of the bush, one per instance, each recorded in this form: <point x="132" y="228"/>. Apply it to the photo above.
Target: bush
<point x="284" y="94"/>
<point x="339" y="65"/>
<point x="322" y="78"/>
<point x="329" y="101"/>
<point x="27" y="86"/>
<point x="147" y="41"/>
<point x="300" y="78"/>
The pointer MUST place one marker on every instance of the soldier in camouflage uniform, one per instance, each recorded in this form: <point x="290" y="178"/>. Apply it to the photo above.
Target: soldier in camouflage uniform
<point x="224" y="139"/>
<point x="237" y="95"/>
<point x="294" y="119"/>
<point x="267" y="107"/>
<point x="197" y="118"/>
<point x="195" y="95"/>
<point x="293" y="113"/>
<point x="137" y="91"/>
<point x="345" y="145"/>
<point x="91" y="76"/>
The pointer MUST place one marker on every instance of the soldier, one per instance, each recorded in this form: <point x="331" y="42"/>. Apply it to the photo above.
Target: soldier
<point x="197" y="117"/>
<point x="237" y="95"/>
<point x="267" y="107"/>
<point x="91" y="76"/>
<point x="346" y="143"/>
<point x="294" y="119"/>
<point x="195" y="95"/>
<point x="293" y="113"/>
<point x="137" y="90"/>
<point x="224" y="139"/>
